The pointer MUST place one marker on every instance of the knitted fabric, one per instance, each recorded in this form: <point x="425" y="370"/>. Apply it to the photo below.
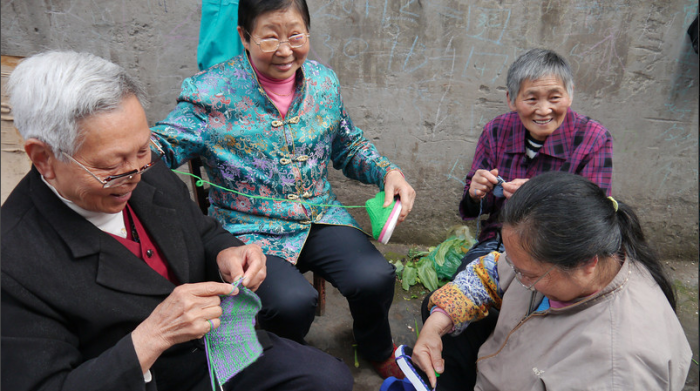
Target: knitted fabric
<point x="234" y="345"/>
<point x="378" y="215"/>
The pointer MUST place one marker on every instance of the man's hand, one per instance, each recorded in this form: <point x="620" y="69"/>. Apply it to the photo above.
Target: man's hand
<point x="244" y="261"/>
<point x="395" y="184"/>
<point x="190" y="311"/>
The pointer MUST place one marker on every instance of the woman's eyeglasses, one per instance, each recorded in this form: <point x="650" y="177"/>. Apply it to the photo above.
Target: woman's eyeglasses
<point x="116" y="180"/>
<point x="519" y="275"/>
<point x="272" y="44"/>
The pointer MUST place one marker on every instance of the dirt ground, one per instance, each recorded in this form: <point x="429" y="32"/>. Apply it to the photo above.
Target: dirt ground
<point x="333" y="331"/>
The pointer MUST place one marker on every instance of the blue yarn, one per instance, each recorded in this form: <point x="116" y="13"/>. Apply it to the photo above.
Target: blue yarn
<point x="498" y="189"/>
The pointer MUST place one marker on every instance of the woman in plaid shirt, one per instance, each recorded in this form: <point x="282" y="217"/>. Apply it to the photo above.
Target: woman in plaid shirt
<point x="540" y="134"/>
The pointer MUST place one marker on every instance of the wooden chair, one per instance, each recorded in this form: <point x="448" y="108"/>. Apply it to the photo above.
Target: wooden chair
<point x="202" y="199"/>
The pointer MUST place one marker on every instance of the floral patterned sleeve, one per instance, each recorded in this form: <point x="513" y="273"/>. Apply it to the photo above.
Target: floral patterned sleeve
<point x="354" y="154"/>
<point x="182" y="134"/>
<point x="472" y="293"/>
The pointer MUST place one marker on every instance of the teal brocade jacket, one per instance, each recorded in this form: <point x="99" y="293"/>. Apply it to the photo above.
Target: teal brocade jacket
<point x="224" y="116"/>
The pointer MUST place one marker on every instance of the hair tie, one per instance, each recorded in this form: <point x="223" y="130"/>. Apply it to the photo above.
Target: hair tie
<point x="614" y="203"/>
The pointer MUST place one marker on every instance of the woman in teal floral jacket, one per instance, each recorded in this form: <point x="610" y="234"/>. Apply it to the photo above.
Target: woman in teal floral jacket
<point x="269" y="123"/>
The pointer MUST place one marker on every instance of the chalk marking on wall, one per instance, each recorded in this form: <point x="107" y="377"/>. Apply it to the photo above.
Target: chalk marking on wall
<point x="670" y="24"/>
<point x="410" y="54"/>
<point x="172" y="36"/>
<point x="385" y="20"/>
<point x="665" y="171"/>
<point x="391" y="54"/>
<point x="487" y="20"/>
<point x="483" y="68"/>
<point x="450" y="175"/>
<point x="401" y="19"/>
<point x="678" y="187"/>
<point x="363" y="45"/>
<point x="344" y="4"/>
<point x="449" y="11"/>
<point x="448" y="47"/>
<point x="691" y="11"/>
<point x="319" y="14"/>
<point x="609" y="43"/>
<point x="677" y="113"/>
<point x="403" y="9"/>
<point x="367" y="7"/>
<point x="474" y="128"/>
<point x="439" y="121"/>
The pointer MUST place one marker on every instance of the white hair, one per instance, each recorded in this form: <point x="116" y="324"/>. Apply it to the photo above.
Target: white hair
<point x="52" y="92"/>
<point x="536" y="64"/>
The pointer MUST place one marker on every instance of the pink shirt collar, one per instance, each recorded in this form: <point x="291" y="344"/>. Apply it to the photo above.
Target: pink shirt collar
<point x="281" y="92"/>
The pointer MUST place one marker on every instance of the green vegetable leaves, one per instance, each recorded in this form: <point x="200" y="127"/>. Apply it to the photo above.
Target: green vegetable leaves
<point x="434" y="268"/>
<point x="410" y="272"/>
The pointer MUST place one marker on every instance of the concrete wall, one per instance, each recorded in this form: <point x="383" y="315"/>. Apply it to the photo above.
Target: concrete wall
<point x="422" y="77"/>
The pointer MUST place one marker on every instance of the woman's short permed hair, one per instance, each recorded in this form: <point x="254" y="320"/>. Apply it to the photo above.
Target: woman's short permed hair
<point x="536" y="64"/>
<point x="52" y="92"/>
<point x="250" y="10"/>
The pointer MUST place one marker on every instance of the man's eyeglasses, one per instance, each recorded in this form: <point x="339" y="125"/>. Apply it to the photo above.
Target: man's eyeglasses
<point x="519" y="275"/>
<point x="272" y="44"/>
<point x="116" y="180"/>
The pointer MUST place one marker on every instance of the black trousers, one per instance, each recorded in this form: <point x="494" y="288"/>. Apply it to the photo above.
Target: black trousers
<point x="346" y="258"/>
<point x="289" y="366"/>
<point x="461" y="352"/>
<point x="480" y="249"/>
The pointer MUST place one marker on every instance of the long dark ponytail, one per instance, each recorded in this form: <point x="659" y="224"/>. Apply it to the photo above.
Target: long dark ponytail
<point x="637" y="248"/>
<point x="566" y="220"/>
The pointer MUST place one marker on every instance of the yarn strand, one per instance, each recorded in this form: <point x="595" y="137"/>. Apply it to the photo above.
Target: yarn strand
<point x="200" y="183"/>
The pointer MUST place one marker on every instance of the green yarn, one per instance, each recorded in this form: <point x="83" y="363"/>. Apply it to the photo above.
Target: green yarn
<point x="200" y="183"/>
<point x="378" y="215"/>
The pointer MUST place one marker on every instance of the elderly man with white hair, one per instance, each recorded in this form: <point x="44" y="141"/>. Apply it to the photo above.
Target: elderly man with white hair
<point x="111" y="275"/>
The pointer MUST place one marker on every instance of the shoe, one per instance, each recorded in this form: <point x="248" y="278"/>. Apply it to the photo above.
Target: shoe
<point x="388" y="367"/>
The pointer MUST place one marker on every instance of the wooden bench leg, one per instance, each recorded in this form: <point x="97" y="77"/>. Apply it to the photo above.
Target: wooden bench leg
<point x="320" y="285"/>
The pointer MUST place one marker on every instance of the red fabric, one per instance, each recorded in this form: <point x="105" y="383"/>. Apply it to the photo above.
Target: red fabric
<point x="145" y="249"/>
<point x="388" y="367"/>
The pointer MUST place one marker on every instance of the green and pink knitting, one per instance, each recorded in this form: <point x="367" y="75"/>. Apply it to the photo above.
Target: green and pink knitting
<point x="234" y="344"/>
<point x="383" y="219"/>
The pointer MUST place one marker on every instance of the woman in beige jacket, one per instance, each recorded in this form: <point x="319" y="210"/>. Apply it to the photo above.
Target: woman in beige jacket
<point x="584" y="302"/>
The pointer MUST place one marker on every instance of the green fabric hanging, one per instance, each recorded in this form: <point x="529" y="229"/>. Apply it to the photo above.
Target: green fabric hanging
<point x="218" y="37"/>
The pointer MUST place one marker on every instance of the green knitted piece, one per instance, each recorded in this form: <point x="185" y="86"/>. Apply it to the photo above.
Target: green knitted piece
<point x="234" y="344"/>
<point x="378" y="215"/>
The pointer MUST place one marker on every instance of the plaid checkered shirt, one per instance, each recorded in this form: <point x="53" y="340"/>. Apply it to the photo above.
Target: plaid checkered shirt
<point x="580" y="145"/>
